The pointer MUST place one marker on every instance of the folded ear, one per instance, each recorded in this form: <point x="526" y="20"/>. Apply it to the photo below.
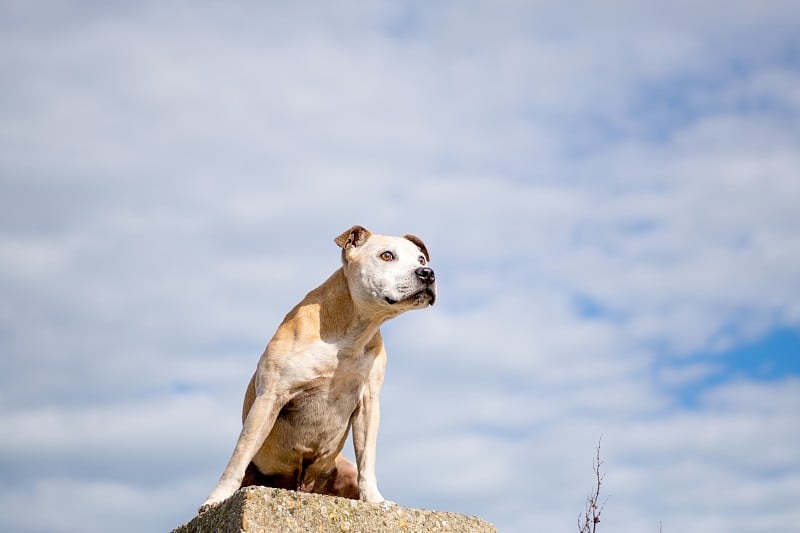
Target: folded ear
<point x="421" y="245"/>
<point x="352" y="238"/>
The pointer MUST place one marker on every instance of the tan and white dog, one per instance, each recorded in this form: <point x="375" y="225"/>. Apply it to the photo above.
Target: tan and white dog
<point x="321" y="374"/>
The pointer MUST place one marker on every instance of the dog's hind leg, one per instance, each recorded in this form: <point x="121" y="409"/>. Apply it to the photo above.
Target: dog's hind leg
<point x="342" y="480"/>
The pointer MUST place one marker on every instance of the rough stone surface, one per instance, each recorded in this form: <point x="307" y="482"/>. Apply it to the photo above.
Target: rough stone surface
<point x="267" y="510"/>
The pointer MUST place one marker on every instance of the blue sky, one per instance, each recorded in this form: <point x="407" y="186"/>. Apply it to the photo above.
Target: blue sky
<point x="609" y="195"/>
<point x="772" y="358"/>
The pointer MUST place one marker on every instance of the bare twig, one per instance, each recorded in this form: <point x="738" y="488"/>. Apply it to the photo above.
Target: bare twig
<point x="588" y="520"/>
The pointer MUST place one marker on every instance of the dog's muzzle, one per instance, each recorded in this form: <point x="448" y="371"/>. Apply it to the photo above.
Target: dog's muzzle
<point x="426" y="276"/>
<point x="427" y="295"/>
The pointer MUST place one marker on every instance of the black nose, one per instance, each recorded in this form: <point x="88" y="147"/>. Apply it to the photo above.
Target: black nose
<point x="425" y="274"/>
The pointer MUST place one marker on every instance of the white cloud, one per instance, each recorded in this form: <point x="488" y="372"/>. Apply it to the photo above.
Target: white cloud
<point x="172" y="178"/>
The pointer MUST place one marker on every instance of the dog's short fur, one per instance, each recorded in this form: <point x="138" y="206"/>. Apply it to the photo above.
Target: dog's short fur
<point x="322" y="371"/>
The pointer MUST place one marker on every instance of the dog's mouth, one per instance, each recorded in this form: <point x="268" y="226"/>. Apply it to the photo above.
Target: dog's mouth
<point x="425" y="296"/>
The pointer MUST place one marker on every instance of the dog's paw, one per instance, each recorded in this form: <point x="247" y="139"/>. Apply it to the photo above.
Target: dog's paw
<point x="371" y="494"/>
<point x="208" y="504"/>
<point x="387" y="504"/>
<point x="221" y="492"/>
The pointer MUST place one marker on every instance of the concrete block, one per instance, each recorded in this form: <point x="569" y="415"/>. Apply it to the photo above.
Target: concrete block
<point x="267" y="510"/>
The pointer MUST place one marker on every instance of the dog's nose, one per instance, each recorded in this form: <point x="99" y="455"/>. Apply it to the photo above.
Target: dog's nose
<point x="425" y="274"/>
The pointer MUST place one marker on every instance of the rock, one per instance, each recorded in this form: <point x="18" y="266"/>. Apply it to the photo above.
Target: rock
<point x="267" y="510"/>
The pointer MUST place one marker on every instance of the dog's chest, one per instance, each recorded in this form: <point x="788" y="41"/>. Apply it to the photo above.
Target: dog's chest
<point x="319" y="412"/>
<point x="322" y="408"/>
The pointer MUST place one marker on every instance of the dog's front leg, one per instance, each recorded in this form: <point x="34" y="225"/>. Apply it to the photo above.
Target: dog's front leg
<point x="365" y="436"/>
<point x="256" y="428"/>
<point x="366" y="419"/>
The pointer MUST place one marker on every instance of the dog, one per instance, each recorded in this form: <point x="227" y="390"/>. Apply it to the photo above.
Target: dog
<point x="321" y="373"/>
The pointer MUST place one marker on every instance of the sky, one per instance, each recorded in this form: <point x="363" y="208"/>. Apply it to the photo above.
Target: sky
<point x="609" y="193"/>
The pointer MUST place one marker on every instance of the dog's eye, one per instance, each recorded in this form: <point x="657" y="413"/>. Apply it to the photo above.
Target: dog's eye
<point x="422" y="260"/>
<point x="387" y="256"/>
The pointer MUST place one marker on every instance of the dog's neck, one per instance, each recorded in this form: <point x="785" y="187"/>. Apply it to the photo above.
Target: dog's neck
<point x="341" y="316"/>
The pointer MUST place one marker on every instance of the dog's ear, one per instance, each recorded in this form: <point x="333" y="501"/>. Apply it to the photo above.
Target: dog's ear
<point x="352" y="238"/>
<point x="421" y="245"/>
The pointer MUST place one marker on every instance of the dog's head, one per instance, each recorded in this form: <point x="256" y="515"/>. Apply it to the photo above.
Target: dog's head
<point x="391" y="272"/>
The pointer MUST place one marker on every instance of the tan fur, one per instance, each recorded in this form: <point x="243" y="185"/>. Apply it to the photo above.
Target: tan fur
<point x="321" y="374"/>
